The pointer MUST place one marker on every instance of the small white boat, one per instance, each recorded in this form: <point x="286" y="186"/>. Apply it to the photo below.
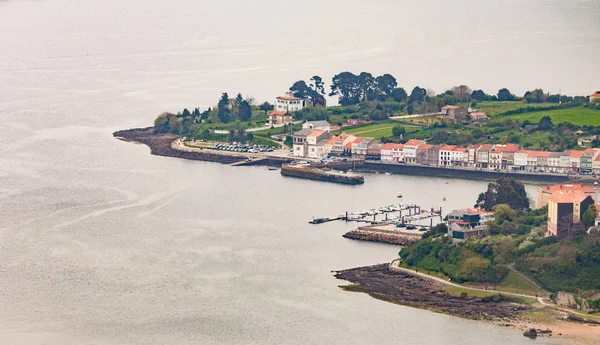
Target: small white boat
<point x="388" y="173"/>
<point x="595" y="183"/>
<point x="399" y="194"/>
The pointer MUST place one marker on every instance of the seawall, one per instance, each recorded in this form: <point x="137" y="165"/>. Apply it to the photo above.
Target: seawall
<point x="462" y="173"/>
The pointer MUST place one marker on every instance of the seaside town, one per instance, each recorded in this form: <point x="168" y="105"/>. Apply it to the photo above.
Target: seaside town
<point x="341" y="172"/>
<point x="316" y="141"/>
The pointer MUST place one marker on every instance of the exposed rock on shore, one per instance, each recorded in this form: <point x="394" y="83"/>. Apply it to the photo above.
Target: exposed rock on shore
<point x="382" y="283"/>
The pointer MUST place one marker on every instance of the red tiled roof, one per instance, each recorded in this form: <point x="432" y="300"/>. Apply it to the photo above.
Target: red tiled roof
<point x="576" y="154"/>
<point x="485" y="147"/>
<point x="316" y="133"/>
<point x="539" y="154"/>
<point x="460" y="149"/>
<point x="507" y="148"/>
<point x="289" y="98"/>
<point x="568" y="187"/>
<point x="478" y="113"/>
<point x="450" y="107"/>
<point x="425" y="147"/>
<point x="447" y="148"/>
<point x="391" y="146"/>
<point x="590" y="150"/>
<point x="277" y="113"/>
<point x="568" y="197"/>
<point x="523" y="151"/>
<point x="414" y="142"/>
<point x="595" y="95"/>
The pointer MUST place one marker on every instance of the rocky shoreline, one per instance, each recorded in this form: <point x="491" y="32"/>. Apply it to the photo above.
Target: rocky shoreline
<point x="161" y="145"/>
<point x="382" y="283"/>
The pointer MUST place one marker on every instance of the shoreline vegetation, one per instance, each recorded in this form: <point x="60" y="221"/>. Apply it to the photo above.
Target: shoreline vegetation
<point x="522" y="314"/>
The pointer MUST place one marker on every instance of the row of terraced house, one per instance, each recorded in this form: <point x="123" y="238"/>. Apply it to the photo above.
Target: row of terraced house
<point x="316" y="141"/>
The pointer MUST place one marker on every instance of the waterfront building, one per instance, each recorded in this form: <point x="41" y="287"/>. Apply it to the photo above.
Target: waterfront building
<point x="315" y="143"/>
<point x="359" y="147"/>
<point x="288" y="103"/>
<point x="310" y="143"/>
<point x="299" y="142"/>
<point x="322" y="125"/>
<point x="428" y="154"/>
<point x="575" y="160"/>
<point x="279" y="117"/>
<point x="502" y="157"/>
<point x="445" y="152"/>
<point x="483" y="155"/>
<point x="459" y="156"/>
<point x="373" y="151"/>
<point x="410" y="150"/>
<point x="468" y="224"/>
<point x="389" y="152"/>
<point x="565" y="211"/>
<point x="587" y="160"/>
<point x="542" y="160"/>
<point x="554" y="162"/>
<point x="454" y="113"/>
<point x="544" y="193"/>
<point x="472" y="155"/>
<point x="335" y="145"/>
<point x="565" y="162"/>
<point x="520" y="162"/>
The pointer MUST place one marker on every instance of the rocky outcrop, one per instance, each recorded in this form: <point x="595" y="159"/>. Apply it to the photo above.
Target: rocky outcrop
<point x="569" y="300"/>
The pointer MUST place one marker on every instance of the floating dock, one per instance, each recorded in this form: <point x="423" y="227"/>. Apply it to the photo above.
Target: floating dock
<point x="310" y="173"/>
<point x="398" y="213"/>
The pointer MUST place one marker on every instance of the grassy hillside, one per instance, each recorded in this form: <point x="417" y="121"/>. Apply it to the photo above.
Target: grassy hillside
<point x="494" y="108"/>
<point x="576" y="115"/>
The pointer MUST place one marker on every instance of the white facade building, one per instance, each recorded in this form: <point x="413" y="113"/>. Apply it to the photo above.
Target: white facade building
<point x="288" y="103"/>
<point x="322" y="125"/>
<point x="410" y="150"/>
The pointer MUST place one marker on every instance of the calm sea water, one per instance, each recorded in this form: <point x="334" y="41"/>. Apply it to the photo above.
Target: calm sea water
<point x="102" y="243"/>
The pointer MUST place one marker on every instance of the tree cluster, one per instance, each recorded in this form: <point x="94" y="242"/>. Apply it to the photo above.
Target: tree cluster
<point x="507" y="191"/>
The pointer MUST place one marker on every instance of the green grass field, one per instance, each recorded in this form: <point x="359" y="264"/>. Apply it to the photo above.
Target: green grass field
<point x="576" y="115"/>
<point x="516" y="284"/>
<point x="377" y="130"/>
<point x="494" y="108"/>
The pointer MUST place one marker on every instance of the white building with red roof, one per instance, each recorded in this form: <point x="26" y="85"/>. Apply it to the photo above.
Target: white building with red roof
<point x="288" y="103"/>
<point x="595" y="97"/>
<point x="410" y="150"/>
<point x="391" y="152"/>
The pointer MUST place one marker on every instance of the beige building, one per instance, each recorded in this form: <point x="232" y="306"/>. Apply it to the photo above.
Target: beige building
<point x="565" y="208"/>
<point x="544" y="193"/>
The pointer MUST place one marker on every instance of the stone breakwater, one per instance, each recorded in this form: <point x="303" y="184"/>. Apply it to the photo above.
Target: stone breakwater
<point x="382" y="236"/>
